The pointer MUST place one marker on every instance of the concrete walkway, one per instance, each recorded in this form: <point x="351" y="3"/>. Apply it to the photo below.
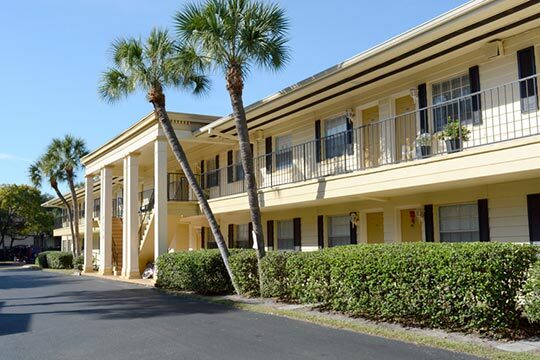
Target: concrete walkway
<point x="44" y="315"/>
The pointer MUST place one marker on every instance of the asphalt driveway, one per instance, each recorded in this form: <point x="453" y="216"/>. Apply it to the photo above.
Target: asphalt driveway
<point x="45" y="315"/>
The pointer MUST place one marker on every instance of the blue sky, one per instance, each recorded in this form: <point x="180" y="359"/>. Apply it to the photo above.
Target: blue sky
<point x="53" y="52"/>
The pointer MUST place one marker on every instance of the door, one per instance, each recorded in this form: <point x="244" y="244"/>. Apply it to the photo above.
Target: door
<point x="533" y="212"/>
<point x="375" y="228"/>
<point x="371" y="134"/>
<point x="405" y="128"/>
<point x="411" y="228"/>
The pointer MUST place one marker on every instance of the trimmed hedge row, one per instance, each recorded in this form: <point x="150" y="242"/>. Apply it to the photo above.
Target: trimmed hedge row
<point x="55" y="260"/>
<point x="531" y="295"/>
<point x="466" y="287"/>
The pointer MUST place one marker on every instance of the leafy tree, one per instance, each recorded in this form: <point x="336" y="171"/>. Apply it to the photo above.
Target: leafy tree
<point x="152" y="67"/>
<point x="47" y="169"/>
<point x="21" y="213"/>
<point x="234" y="36"/>
<point x="66" y="153"/>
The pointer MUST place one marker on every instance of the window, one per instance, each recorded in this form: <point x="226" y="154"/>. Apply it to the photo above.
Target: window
<point x="242" y="236"/>
<point x="238" y="168"/>
<point x="335" y="141"/>
<point x="339" y="232"/>
<point x="459" y="223"/>
<point x="285" y="235"/>
<point x="444" y="93"/>
<point x="283" y="151"/>
<point x="528" y="87"/>
<point x="210" y="240"/>
<point x="212" y="178"/>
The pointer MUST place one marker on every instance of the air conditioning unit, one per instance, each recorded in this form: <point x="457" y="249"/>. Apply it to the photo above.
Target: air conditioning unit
<point x="494" y="49"/>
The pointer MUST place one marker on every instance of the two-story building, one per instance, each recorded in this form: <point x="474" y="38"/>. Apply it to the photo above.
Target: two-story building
<point x="433" y="135"/>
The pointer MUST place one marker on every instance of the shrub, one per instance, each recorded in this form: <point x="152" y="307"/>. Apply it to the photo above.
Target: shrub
<point x="41" y="260"/>
<point x="78" y="262"/>
<point x="246" y="273"/>
<point x="274" y="275"/>
<point x="467" y="287"/>
<point x="201" y="271"/>
<point x="59" y="260"/>
<point x="531" y="295"/>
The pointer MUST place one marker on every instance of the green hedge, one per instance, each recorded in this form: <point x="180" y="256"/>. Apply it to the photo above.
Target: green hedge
<point x="55" y="260"/>
<point x="202" y="272"/>
<point x="467" y="287"/>
<point x="531" y="295"/>
<point x="245" y="269"/>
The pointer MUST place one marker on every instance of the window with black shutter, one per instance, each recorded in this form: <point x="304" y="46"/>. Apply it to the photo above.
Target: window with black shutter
<point x="268" y="152"/>
<point x="528" y="91"/>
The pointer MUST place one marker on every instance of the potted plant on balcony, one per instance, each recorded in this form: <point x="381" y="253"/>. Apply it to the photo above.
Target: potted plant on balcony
<point x="454" y="134"/>
<point x="423" y="145"/>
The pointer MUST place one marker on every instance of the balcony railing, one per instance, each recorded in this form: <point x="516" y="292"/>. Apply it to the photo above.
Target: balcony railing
<point x="498" y="114"/>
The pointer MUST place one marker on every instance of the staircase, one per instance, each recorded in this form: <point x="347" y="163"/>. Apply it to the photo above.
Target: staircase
<point x="117" y="241"/>
<point x="146" y="238"/>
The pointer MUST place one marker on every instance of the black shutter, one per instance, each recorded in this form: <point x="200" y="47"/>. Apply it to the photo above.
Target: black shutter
<point x="202" y="238"/>
<point x="318" y="140"/>
<point x="217" y="162"/>
<point x="297" y="222"/>
<point x="428" y="223"/>
<point x="268" y="152"/>
<point x="527" y="88"/>
<point x="533" y="213"/>
<point x="203" y="185"/>
<point x="250" y="235"/>
<point x="422" y="104"/>
<point x="349" y="136"/>
<point x="270" y="234"/>
<point x="474" y="78"/>
<point x="320" y="231"/>
<point x="483" y="219"/>
<point x="230" y="168"/>
<point x="231" y="235"/>
<point x="352" y="231"/>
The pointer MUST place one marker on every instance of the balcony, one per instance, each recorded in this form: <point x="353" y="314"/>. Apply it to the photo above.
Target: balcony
<point x="490" y="116"/>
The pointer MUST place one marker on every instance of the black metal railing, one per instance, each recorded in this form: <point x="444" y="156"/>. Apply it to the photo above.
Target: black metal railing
<point x="178" y="188"/>
<point x="498" y="114"/>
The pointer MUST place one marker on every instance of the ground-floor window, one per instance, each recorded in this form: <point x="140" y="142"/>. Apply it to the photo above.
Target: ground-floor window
<point x="285" y="235"/>
<point x="210" y="240"/>
<point x="339" y="232"/>
<point x="242" y="236"/>
<point x="459" y="223"/>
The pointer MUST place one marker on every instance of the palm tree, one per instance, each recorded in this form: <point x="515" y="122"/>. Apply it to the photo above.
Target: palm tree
<point x="234" y="36"/>
<point x="47" y="169"/>
<point x="152" y="67"/>
<point x="68" y="152"/>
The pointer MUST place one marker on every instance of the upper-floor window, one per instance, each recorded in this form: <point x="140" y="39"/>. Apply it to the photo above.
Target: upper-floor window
<point x="339" y="231"/>
<point x="285" y="235"/>
<point x="335" y="132"/>
<point x="212" y="178"/>
<point x="459" y="223"/>
<point x="528" y="91"/>
<point x="284" y="151"/>
<point x="451" y="94"/>
<point x="238" y="168"/>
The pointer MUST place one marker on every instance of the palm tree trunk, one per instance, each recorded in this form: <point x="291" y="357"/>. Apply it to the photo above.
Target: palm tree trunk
<point x="182" y="159"/>
<point x="249" y="171"/>
<point x="75" y="203"/>
<point x="68" y="208"/>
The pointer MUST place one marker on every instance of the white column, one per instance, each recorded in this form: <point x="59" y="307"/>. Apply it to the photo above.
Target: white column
<point x="390" y="224"/>
<point x="105" y="224"/>
<point x="160" y="197"/>
<point x="88" y="223"/>
<point x="131" y="215"/>
<point x="191" y="237"/>
<point x="125" y="199"/>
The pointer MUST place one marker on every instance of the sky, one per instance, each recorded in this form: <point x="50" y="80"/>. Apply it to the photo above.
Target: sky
<point x="54" y="51"/>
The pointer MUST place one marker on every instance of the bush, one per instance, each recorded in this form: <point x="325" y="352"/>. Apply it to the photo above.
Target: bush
<point x="245" y="269"/>
<point x="274" y="275"/>
<point x="531" y="295"/>
<point x="467" y="287"/>
<point x="201" y="271"/>
<point x="78" y="262"/>
<point x="55" y="260"/>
